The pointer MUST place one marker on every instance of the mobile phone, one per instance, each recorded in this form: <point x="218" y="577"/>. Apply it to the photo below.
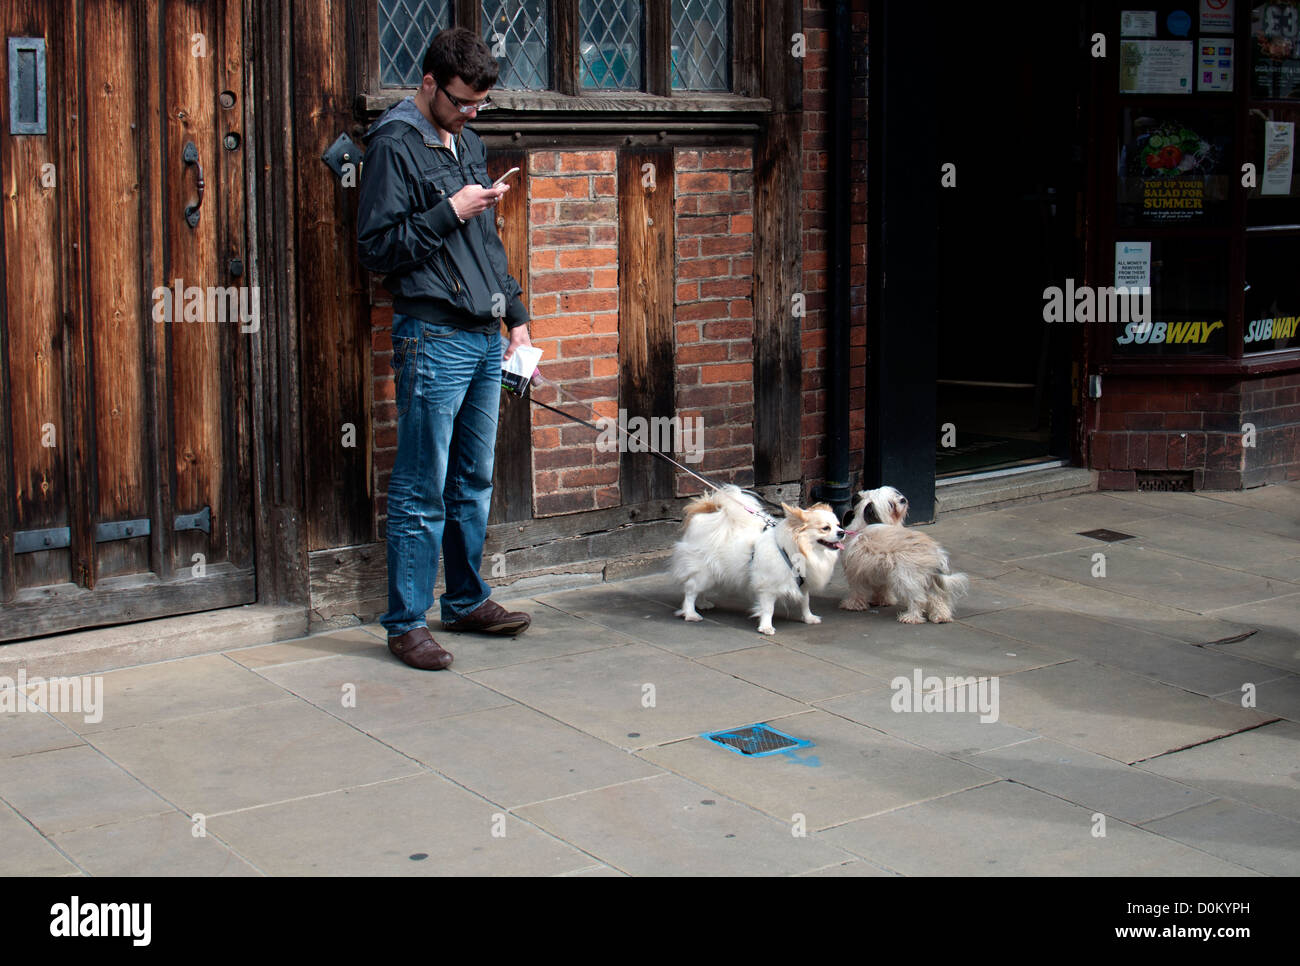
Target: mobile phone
<point x="504" y="176"/>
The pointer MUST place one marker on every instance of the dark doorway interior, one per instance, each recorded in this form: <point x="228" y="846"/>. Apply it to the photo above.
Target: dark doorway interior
<point x="1009" y="119"/>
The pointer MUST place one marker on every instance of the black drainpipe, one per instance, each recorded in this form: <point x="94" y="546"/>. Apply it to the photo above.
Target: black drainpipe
<point x="838" y="489"/>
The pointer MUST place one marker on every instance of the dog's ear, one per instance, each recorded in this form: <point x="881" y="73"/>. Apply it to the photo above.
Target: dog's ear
<point x="819" y="506"/>
<point x="792" y="511"/>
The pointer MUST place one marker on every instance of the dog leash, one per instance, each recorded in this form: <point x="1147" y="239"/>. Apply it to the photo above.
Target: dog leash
<point x="768" y="520"/>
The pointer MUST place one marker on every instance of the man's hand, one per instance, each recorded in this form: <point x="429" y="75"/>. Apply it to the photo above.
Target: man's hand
<point x="518" y="337"/>
<point x="474" y="199"/>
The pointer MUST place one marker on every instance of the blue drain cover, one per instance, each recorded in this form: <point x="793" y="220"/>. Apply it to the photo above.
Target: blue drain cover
<point x="756" y="740"/>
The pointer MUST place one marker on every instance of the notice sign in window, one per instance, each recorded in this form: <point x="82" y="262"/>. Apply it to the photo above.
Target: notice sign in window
<point x="1156" y="66"/>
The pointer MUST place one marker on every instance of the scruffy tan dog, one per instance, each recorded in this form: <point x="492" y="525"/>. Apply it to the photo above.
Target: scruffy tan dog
<point x="886" y="563"/>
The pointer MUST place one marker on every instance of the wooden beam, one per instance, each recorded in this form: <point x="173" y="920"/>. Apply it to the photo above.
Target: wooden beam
<point x="647" y="388"/>
<point x="512" y="475"/>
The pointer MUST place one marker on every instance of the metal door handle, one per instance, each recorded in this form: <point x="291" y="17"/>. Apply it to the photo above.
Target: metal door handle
<point x="190" y="155"/>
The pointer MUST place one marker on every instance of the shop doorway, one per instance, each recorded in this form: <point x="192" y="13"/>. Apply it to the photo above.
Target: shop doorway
<point x="1012" y="122"/>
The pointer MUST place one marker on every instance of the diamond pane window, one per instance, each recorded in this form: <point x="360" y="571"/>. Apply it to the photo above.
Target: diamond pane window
<point x="611" y="43"/>
<point x="405" y="29"/>
<point x="700" y="55"/>
<point x="517" y="33"/>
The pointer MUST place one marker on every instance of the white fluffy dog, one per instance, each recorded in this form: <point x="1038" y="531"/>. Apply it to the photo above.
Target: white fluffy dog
<point x="729" y="543"/>
<point x="886" y="563"/>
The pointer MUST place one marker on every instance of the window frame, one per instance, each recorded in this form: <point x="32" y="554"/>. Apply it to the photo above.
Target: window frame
<point x="565" y="95"/>
<point x="1105" y="230"/>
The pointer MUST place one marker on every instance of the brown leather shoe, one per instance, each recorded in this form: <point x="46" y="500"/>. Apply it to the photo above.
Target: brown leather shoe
<point x="418" y="648"/>
<point x="491" y="618"/>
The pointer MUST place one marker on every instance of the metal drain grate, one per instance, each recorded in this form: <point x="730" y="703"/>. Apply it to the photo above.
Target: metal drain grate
<point x="756" y="740"/>
<point x="1156" y="481"/>
<point x="1110" y="536"/>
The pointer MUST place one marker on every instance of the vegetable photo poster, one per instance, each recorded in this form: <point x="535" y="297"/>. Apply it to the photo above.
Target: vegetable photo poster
<point x="1172" y="168"/>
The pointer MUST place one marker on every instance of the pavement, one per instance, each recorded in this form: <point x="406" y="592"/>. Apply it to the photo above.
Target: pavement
<point x="1147" y="723"/>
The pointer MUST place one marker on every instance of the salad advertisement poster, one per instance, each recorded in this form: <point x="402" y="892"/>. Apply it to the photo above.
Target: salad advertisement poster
<point x="1172" y="167"/>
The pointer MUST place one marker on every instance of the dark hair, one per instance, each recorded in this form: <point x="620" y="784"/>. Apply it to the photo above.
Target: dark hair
<point x="456" y="52"/>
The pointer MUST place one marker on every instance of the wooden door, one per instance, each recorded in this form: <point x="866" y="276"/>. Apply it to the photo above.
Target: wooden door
<point x="126" y="489"/>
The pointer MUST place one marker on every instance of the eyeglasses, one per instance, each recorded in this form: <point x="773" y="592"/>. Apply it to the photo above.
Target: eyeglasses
<point x="467" y="108"/>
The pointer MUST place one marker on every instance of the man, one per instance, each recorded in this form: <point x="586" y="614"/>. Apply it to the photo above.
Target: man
<point x="427" y="219"/>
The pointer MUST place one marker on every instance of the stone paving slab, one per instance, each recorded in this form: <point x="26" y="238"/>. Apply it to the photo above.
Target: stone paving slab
<point x="670" y="826"/>
<point x="553" y="633"/>
<point x="173" y="689"/>
<point x="26" y="851"/>
<point x="1202" y="506"/>
<point x="385" y="693"/>
<point x="72" y="788"/>
<point x="855" y="869"/>
<point x="850" y="772"/>
<point x="327" y="644"/>
<point x="1197" y="669"/>
<point x="651" y="620"/>
<point x="602" y="693"/>
<point x="1115" y="713"/>
<point x="1237" y="833"/>
<point x="885" y="649"/>
<point x="1009" y="829"/>
<point x="1276" y="649"/>
<point x="1094" y="598"/>
<point x="226" y="760"/>
<point x="30" y="730"/>
<point x="791" y="673"/>
<point x="956" y="733"/>
<point x="421" y="825"/>
<point x="157" y="845"/>
<point x="1282" y="522"/>
<point x="1101" y="784"/>
<point x="1226" y="545"/>
<point x="515" y="755"/>
<point x="1258" y="767"/>
<point x="1151" y="575"/>
<point x="1280" y="696"/>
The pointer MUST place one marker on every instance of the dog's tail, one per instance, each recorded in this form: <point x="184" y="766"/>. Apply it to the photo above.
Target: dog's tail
<point x="728" y="500"/>
<point x="952" y="586"/>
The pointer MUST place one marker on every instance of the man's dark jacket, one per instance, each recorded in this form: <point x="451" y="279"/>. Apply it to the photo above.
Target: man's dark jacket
<point x="437" y="269"/>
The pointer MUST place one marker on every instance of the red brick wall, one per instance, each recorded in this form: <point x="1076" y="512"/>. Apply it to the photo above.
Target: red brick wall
<point x="1195" y="423"/>
<point x="573" y="221"/>
<point x="714" y="302"/>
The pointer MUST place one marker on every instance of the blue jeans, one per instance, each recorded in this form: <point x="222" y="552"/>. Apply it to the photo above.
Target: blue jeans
<point x="448" y="390"/>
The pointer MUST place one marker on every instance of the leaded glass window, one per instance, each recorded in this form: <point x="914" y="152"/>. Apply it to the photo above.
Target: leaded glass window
<point x="516" y="30"/>
<point x="405" y="29"/>
<point x="700" y="54"/>
<point x="610" y="46"/>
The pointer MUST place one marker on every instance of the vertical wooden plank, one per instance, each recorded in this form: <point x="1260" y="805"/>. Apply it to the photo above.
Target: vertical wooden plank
<point x="118" y="310"/>
<point x="512" y="474"/>
<point x="566" y="29"/>
<point x="33" y="484"/>
<point x="469" y="14"/>
<point x="153" y="275"/>
<point x="778" y="249"/>
<point x="191" y="45"/>
<point x="658" y="37"/>
<point x="335" y="334"/>
<point x="78" y="435"/>
<point x="281" y="556"/>
<point x="645" y="312"/>
<point x="744" y="53"/>
<point x="233" y="268"/>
